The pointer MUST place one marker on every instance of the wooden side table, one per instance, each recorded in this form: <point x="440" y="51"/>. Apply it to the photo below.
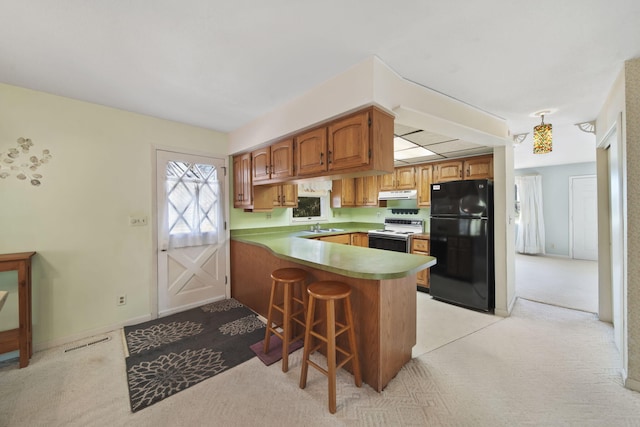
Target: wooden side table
<point x="19" y="338"/>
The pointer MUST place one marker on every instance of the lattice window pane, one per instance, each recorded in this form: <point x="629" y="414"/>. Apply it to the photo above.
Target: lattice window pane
<point x="192" y="198"/>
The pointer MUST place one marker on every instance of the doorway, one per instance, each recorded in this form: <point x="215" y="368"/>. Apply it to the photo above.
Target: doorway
<point x="191" y="231"/>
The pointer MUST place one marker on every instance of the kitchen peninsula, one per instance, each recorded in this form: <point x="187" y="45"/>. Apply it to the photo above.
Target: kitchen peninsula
<point x="383" y="288"/>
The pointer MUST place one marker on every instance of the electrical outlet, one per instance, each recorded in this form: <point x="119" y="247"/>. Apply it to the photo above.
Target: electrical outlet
<point x="122" y="299"/>
<point x="137" y="221"/>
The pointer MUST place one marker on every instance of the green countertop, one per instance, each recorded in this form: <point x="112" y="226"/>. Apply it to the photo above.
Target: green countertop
<point x="352" y="261"/>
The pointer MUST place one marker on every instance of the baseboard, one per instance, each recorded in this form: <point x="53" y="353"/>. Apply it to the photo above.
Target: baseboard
<point x="507" y="312"/>
<point x="632" y="384"/>
<point x="90" y="333"/>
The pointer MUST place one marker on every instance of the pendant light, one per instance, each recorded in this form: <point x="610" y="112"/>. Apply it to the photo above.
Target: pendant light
<point x="542" y="139"/>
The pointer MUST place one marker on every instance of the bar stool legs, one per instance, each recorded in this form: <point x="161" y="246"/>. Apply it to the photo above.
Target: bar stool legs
<point x="288" y="278"/>
<point x="330" y="292"/>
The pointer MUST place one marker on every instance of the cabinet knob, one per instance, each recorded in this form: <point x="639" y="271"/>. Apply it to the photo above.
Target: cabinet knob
<point x="321" y="157"/>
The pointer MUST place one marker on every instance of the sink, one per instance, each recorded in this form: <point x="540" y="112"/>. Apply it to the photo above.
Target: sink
<point x="324" y="230"/>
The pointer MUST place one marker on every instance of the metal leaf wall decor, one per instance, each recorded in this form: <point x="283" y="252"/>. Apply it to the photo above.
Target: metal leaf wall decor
<point x="18" y="161"/>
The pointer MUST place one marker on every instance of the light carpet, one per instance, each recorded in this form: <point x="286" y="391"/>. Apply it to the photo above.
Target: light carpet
<point x="564" y="282"/>
<point x="542" y="366"/>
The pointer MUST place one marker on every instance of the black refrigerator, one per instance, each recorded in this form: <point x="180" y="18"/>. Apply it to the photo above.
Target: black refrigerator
<point x="461" y="238"/>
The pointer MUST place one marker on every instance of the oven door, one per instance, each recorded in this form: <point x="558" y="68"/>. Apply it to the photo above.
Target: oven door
<point x="389" y="242"/>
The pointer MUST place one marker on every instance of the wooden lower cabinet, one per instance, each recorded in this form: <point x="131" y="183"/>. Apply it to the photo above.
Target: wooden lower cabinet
<point x="360" y="239"/>
<point x="344" y="239"/>
<point x="420" y="246"/>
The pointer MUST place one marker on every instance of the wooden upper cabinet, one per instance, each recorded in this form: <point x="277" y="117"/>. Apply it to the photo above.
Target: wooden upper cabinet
<point x="367" y="191"/>
<point x="478" y="168"/>
<point x="261" y="164"/>
<point x="242" y="188"/>
<point x="273" y="163"/>
<point x="388" y="181"/>
<point x="343" y="193"/>
<point x="359" y="142"/>
<point x="448" y="171"/>
<point x="424" y="176"/>
<point x="311" y="152"/>
<point x="348" y="142"/>
<point x="282" y="159"/>
<point x="285" y="195"/>
<point x="403" y="178"/>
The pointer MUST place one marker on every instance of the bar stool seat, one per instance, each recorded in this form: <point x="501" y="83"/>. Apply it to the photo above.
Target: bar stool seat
<point x="291" y="280"/>
<point x="330" y="292"/>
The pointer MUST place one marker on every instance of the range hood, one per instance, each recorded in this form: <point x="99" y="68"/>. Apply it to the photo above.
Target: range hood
<point x="398" y="195"/>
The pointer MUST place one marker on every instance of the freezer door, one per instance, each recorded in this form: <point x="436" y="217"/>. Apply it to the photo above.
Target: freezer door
<point x="463" y="273"/>
<point x="461" y="198"/>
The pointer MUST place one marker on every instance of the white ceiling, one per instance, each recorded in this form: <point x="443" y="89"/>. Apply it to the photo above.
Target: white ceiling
<point x="220" y="65"/>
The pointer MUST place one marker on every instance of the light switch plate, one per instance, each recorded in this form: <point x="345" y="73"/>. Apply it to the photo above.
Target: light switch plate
<point x="137" y="221"/>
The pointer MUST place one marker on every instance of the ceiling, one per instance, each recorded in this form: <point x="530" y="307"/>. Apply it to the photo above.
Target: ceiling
<point x="220" y="65"/>
<point x="441" y="146"/>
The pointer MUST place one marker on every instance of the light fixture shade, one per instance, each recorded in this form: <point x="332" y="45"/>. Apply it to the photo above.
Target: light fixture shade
<point x="542" y="138"/>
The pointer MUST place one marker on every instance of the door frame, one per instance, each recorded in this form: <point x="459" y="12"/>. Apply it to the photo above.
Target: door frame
<point x="571" y="207"/>
<point x="153" y="288"/>
<point x="606" y="285"/>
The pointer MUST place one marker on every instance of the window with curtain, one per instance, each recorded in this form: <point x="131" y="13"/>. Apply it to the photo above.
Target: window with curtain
<point x="194" y="209"/>
<point x="530" y="232"/>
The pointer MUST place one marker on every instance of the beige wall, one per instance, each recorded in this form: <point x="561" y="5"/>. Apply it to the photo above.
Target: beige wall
<point x="632" y="127"/>
<point x="624" y="102"/>
<point x="77" y="220"/>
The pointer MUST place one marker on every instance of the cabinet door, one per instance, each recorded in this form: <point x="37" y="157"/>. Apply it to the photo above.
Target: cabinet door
<point x="281" y="165"/>
<point x="348" y="142"/>
<point x="242" y="181"/>
<point x="406" y="178"/>
<point x="448" y="171"/>
<point x="366" y="191"/>
<point x="479" y="168"/>
<point x="370" y="190"/>
<point x="261" y="161"/>
<point x="348" y="192"/>
<point x="345" y="239"/>
<point x="360" y="239"/>
<point x="311" y="150"/>
<point x="388" y="181"/>
<point x="424" y="178"/>
<point x="421" y="247"/>
<point x="289" y="195"/>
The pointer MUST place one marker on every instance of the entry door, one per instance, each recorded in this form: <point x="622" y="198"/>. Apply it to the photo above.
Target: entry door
<point x="191" y="231"/>
<point x="584" y="218"/>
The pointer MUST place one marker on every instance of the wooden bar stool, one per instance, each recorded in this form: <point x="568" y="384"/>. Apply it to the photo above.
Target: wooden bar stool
<point x="288" y="278"/>
<point x="330" y="292"/>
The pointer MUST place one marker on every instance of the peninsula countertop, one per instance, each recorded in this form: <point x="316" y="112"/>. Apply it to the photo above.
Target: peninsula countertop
<point x="298" y="245"/>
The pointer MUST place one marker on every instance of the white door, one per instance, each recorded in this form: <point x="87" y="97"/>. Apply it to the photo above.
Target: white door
<point x="584" y="217"/>
<point x="191" y="231"/>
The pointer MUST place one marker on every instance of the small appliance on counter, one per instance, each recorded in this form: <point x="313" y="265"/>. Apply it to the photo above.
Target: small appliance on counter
<point x="461" y="231"/>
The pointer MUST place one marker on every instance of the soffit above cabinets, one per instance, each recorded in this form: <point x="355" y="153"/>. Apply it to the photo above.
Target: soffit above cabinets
<point x="441" y="146"/>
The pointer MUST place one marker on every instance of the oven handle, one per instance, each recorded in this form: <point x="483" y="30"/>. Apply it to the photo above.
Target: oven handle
<point x="389" y="237"/>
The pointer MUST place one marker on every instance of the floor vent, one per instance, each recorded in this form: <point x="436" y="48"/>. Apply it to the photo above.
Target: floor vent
<point x="87" y="344"/>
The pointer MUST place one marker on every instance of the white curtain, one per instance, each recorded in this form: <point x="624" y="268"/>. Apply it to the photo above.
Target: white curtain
<point x="192" y="214"/>
<point x="530" y="233"/>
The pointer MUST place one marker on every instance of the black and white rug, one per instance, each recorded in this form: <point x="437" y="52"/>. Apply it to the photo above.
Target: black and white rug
<point x="170" y="354"/>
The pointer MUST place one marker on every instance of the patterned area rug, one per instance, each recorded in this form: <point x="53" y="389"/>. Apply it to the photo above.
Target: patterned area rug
<point x="173" y="353"/>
